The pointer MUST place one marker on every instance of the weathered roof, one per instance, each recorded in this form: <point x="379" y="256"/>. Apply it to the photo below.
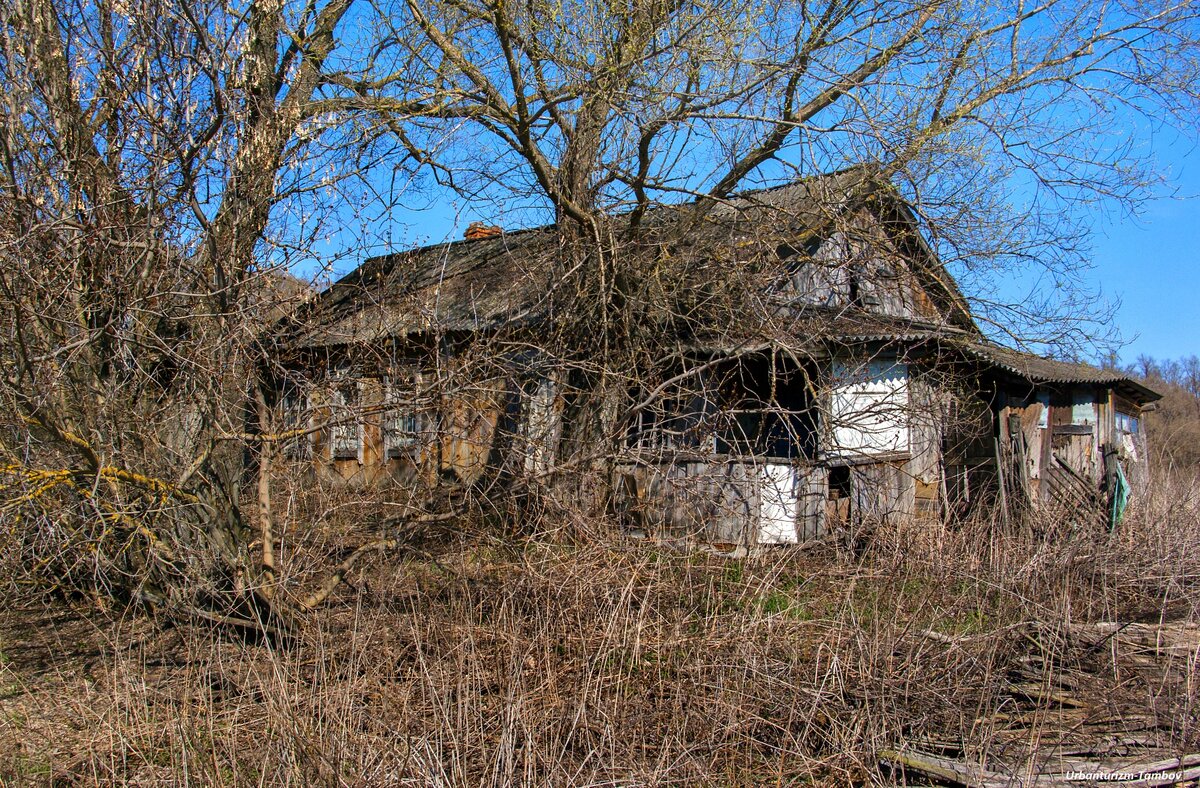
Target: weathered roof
<point x="477" y="284"/>
<point x="1038" y="369"/>
<point x="821" y="327"/>
<point x="457" y="286"/>
<point x="858" y="325"/>
<point x="818" y="329"/>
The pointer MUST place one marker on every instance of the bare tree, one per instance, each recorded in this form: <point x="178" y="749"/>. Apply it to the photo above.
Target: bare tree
<point x="146" y="148"/>
<point x="1001" y="122"/>
<point x="162" y="156"/>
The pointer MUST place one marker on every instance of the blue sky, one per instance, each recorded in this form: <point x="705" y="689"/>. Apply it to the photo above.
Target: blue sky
<point x="1151" y="262"/>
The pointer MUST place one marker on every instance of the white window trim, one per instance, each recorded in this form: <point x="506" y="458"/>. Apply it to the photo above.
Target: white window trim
<point x="392" y="448"/>
<point x="337" y="402"/>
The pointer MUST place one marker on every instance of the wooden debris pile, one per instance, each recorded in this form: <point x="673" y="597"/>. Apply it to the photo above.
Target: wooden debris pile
<point x="1089" y="704"/>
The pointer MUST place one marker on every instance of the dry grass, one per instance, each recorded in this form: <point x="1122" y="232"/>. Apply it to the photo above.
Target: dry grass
<point x="583" y="659"/>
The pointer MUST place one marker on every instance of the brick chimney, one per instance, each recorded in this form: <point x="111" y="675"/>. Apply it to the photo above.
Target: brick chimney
<point x="476" y="230"/>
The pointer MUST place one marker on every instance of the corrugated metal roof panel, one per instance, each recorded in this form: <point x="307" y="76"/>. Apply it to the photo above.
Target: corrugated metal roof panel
<point x="1038" y="369"/>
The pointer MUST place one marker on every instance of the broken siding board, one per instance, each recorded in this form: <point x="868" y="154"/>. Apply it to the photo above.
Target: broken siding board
<point x="927" y="429"/>
<point x="1077" y="452"/>
<point x="652" y="506"/>
<point x="1021" y="441"/>
<point x="814" y="485"/>
<point x="637" y="500"/>
<point x="1035" y="437"/>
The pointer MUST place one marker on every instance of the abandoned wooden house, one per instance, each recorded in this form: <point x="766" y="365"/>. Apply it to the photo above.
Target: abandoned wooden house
<point x="849" y="384"/>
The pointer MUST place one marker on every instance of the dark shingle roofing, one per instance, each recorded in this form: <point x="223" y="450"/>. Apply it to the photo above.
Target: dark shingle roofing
<point x="470" y="285"/>
<point x="457" y="286"/>
<point x="824" y="327"/>
<point x="818" y="329"/>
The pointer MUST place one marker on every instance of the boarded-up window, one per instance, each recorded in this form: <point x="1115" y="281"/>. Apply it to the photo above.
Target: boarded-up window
<point x="346" y="431"/>
<point x="869" y="412"/>
<point x="402" y="422"/>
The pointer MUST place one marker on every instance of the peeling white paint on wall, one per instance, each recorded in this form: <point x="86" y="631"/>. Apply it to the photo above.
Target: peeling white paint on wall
<point x="778" y="504"/>
<point x="870" y="408"/>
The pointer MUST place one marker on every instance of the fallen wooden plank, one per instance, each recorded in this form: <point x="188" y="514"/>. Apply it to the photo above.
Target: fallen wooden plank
<point x="944" y="769"/>
<point x="1162" y="772"/>
<point x="1171" y="771"/>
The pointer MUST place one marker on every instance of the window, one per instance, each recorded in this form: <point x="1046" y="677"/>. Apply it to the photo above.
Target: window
<point x="295" y="420"/>
<point x="666" y="426"/>
<point x="1083" y="413"/>
<point x="401" y="422"/>
<point x="767" y="430"/>
<point x="1128" y="424"/>
<point x="345" y="432"/>
<point x="676" y="422"/>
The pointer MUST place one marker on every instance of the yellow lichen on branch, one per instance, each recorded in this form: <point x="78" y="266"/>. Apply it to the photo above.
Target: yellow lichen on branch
<point x="49" y="478"/>
<point x="36" y="483"/>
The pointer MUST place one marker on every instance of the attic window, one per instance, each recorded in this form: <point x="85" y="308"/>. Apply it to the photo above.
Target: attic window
<point x="790" y="249"/>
